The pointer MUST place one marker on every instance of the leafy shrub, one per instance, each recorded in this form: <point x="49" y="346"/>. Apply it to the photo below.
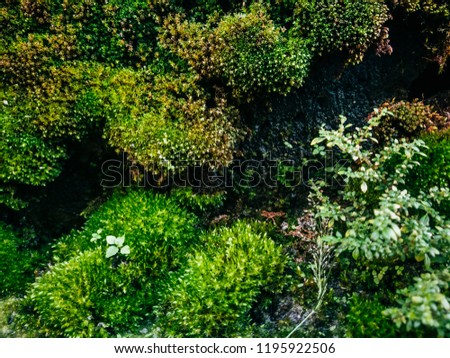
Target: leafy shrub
<point x="424" y="307"/>
<point x="247" y="51"/>
<point x="215" y="293"/>
<point x="17" y="262"/>
<point x="350" y="26"/>
<point x="9" y="310"/>
<point x="406" y="120"/>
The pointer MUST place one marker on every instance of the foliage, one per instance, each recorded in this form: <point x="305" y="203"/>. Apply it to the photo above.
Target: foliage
<point x="66" y="106"/>
<point x="39" y="124"/>
<point x="9" y="309"/>
<point x="381" y="219"/>
<point x="350" y="26"/>
<point x="110" y="31"/>
<point x="322" y="262"/>
<point x="427" y="6"/>
<point x="365" y="319"/>
<point x="246" y="51"/>
<point x="116" y="246"/>
<point x="215" y="293"/>
<point x="8" y="197"/>
<point x="406" y="120"/>
<point x="197" y="201"/>
<point x="281" y="11"/>
<point x="169" y="84"/>
<point x="26" y="157"/>
<point x="424" y="307"/>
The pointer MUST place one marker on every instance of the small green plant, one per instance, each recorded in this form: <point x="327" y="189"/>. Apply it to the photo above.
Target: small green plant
<point x="116" y="246"/>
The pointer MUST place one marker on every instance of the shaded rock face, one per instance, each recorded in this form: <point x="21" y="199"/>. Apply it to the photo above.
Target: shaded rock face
<point x="333" y="89"/>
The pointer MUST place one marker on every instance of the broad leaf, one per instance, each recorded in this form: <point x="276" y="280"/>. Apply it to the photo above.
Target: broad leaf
<point x="111" y="251"/>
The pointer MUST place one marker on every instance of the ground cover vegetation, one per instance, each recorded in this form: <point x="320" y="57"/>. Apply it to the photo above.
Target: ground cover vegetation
<point x="170" y="90"/>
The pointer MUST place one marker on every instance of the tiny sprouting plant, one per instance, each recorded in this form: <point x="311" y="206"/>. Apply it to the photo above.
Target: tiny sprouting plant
<point x="115" y="244"/>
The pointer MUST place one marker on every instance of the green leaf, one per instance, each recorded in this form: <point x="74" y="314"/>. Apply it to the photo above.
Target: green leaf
<point x="364" y="187"/>
<point x="111" y="240"/>
<point x="355" y="253"/>
<point x="317" y="140"/>
<point x="125" y="250"/>
<point x="111" y="251"/>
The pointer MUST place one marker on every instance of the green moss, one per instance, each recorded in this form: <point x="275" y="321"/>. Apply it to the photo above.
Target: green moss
<point x="171" y="123"/>
<point x="348" y="25"/>
<point x="18" y="262"/>
<point x="215" y="293"/>
<point x="247" y="51"/>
